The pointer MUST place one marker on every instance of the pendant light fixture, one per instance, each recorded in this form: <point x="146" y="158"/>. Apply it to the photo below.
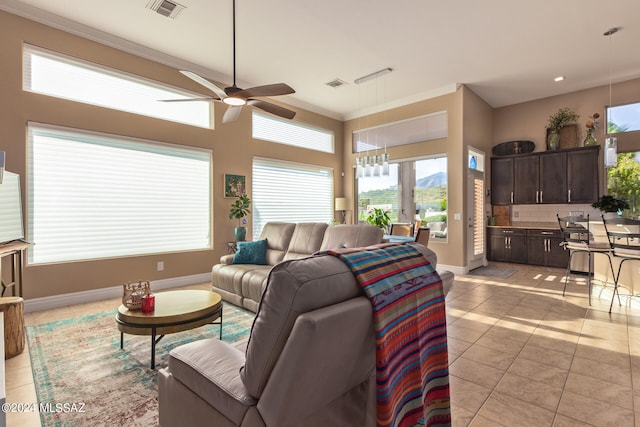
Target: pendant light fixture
<point x="378" y="164"/>
<point x="610" y="142"/>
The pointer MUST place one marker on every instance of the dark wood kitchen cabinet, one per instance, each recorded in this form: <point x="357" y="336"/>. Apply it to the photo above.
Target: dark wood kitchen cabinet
<point x="501" y="180"/>
<point x="558" y="177"/>
<point x="543" y="248"/>
<point x="507" y="245"/>
<point x="582" y="175"/>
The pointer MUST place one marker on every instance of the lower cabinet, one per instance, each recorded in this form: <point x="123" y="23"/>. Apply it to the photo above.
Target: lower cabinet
<point x="508" y="245"/>
<point x="526" y="246"/>
<point x="543" y="248"/>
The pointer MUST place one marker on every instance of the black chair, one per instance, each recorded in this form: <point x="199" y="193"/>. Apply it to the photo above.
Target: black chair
<point x="624" y="238"/>
<point x="577" y="238"/>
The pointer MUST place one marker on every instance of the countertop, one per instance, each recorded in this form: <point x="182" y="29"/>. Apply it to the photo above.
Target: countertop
<point x="530" y="225"/>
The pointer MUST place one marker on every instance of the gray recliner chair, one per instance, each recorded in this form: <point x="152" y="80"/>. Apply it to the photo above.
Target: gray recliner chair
<point x="310" y="359"/>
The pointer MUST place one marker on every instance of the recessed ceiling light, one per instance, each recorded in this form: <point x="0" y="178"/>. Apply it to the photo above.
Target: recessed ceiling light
<point x="558" y="79"/>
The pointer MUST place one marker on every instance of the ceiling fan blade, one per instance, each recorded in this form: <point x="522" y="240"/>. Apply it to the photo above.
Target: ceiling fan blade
<point x="232" y="113"/>
<point x="272" y="108"/>
<point x="206" y="83"/>
<point x="266" y="90"/>
<point x="205" y="98"/>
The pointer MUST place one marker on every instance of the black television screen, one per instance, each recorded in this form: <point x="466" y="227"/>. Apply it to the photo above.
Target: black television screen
<point x="10" y="208"/>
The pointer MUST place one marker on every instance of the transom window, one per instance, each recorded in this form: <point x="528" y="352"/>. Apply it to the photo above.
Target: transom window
<point x="54" y="74"/>
<point x="623" y="118"/>
<point x="274" y="129"/>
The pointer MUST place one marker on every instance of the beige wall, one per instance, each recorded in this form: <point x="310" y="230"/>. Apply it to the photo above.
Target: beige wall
<point x="528" y="121"/>
<point x="449" y="253"/>
<point x="232" y="146"/>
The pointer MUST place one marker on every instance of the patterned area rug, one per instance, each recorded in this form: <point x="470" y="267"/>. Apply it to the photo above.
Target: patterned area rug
<point x="79" y="361"/>
<point x="501" y="273"/>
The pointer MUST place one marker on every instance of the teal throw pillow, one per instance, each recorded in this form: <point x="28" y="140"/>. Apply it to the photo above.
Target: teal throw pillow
<point x="251" y="253"/>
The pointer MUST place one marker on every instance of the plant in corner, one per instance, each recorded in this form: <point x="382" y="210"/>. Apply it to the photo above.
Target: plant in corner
<point x="557" y="121"/>
<point x="608" y="203"/>
<point x="380" y="218"/>
<point x="239" y="210"/>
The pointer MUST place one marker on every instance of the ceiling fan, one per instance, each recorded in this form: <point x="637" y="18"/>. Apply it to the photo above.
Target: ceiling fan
<point x="235" y="97"/>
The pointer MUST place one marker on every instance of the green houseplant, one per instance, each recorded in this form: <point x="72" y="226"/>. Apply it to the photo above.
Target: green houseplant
<point x="239" y="210"/>
<point x="564" y="116"/>
<point x="380" y="218"/>
<point x="608" y="203"/>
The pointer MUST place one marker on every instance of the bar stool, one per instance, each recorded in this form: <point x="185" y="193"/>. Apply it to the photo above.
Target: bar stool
<point x="577" y="238"/>
<point x="624" y="238"/>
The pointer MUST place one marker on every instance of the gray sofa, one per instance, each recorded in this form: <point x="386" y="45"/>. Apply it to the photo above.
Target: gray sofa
<point x="309" y="361"/>
<point x="244" y="284"/>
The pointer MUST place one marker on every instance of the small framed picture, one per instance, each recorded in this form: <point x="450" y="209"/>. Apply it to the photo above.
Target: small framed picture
<point x="234" y="185"/>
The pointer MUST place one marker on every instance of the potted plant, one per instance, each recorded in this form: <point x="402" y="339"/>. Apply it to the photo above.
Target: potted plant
<point x="380" y="218"/>
<point x="557" y="121"/>
<point x="240" y="209"/>
<point x="608" y="203"/>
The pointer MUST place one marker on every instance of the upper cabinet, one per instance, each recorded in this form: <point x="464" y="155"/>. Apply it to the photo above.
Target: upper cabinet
<point x="558" y="176"/>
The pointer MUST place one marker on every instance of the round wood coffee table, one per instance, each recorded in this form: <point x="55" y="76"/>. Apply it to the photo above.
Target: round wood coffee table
<point x="175" y="311"/>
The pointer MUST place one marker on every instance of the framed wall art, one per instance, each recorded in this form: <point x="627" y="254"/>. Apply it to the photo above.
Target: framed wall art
<point x="234" y="185"/>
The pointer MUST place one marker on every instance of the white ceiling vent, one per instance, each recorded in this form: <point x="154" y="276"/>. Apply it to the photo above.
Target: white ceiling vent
<point x="336" y="83"/>
<point x="166" y="8"/>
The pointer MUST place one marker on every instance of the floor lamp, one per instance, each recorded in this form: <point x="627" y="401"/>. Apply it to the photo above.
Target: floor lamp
<point x="343" y="204"/>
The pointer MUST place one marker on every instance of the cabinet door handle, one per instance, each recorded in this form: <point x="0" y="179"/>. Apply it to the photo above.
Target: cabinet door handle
<point x="509" y="242"/>
<point x="569" y="196"/>
<point x="547" y="233"/>
<point x="512" y="197"/>
<point x="537" y="197"/>
<point x="540" y="196"/>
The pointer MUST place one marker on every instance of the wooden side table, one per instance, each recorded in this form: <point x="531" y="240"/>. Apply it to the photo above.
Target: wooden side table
<point x="15" y="250"/>
<point x="13" y="309"/>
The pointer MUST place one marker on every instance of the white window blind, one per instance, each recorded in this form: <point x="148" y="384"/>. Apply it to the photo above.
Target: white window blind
<point x="96" y="196"/>
<point x="51" y="73"/>
<point x="270" y="128"/>
<point x="290" y="192"/>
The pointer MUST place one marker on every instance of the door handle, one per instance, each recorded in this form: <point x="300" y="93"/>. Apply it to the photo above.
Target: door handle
<point x="512" y="197"/>
<point x="537" y="197"/>
<point x="540" y="196"/>
<point x="569" y="196"/>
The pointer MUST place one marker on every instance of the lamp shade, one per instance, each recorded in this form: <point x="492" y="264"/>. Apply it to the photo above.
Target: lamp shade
<point x="343" y="204"/>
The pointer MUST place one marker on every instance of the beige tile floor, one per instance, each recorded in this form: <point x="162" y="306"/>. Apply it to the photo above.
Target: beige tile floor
<point x="520" y="353"/>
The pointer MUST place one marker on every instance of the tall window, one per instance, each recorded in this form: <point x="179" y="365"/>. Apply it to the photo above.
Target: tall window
<point x="96" y="196"/>
<point x="623" y="180"/>
<point x="54" y="74"/>
<point x="414" y="191"/>
<point x="290" y="192"/>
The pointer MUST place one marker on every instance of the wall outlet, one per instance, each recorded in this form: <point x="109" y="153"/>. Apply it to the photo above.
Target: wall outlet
<point x="516" y="214"/>
<point x="160" y="265"/>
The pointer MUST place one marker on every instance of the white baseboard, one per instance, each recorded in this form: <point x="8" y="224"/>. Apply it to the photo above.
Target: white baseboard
<point x="56" y="301"/>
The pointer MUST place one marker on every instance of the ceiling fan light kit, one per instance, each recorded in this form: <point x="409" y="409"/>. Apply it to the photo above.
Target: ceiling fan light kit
<point x="235" y="97"/>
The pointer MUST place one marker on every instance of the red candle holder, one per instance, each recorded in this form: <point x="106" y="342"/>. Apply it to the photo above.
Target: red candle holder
<point x="148" y="303"/>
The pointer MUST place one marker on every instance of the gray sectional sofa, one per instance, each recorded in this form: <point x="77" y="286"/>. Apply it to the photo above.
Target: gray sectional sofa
<point x="244" y="284"/>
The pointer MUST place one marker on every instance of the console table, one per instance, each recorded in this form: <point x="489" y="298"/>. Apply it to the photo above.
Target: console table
<point x="15" y="250"/>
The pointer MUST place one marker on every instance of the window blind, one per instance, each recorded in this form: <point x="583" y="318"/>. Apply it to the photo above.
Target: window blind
<point x="51" y="73"/>
<point x="270" y="128"/>
<point x="290" y="192"/>
<point x="96" y="196"/>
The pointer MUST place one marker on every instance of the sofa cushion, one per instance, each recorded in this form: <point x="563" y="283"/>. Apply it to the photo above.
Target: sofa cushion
<point x="251" y="253"/>
<point x="209" y="368"/>
<point x="351" y="236"/>
<point x="307" y="238"/>
<point x="278" y="235"/>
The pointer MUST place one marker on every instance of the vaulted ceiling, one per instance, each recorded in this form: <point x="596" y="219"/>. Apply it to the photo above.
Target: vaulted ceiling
<point x="506" y="51"/>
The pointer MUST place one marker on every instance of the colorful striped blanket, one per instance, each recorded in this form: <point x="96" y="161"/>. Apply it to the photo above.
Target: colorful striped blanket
<point x="412" y="366"/>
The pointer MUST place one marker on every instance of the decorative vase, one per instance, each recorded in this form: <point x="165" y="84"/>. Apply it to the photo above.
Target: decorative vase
<point x="240" y="233"/>
<point x="553" y="140"/>
<point x="590" y="139"/>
